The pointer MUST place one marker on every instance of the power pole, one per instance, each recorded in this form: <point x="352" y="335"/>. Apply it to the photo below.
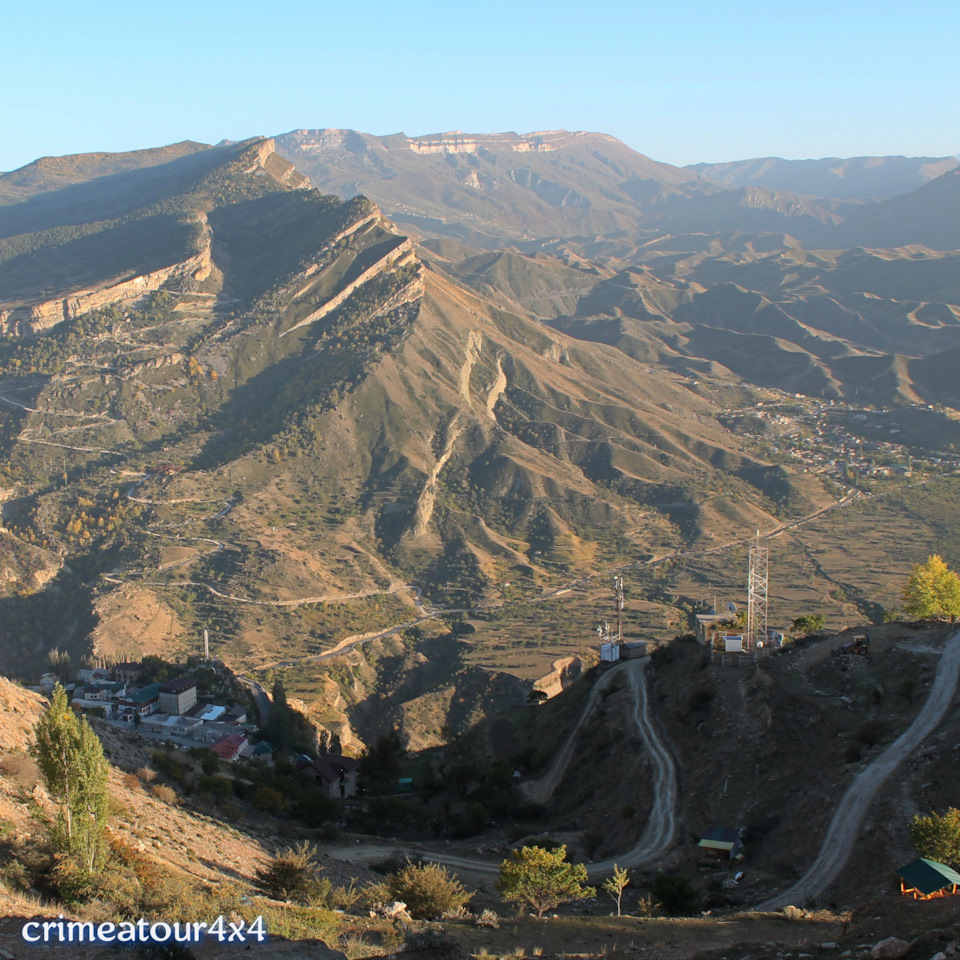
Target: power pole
<point x="618" y="588"/>
<point x="757" y="596"/>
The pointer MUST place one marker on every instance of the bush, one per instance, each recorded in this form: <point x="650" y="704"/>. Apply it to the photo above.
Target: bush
<point x="165" y="794"/>
<point x="291" y="875"/>
<point x="870" y="733"/>
<point x="429" y="890"/>
<point x="938" y="837"/>
<point x="675" y="895"/>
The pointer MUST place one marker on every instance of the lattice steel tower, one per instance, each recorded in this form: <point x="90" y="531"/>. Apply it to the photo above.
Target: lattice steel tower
<point x="618" y="589"/>
<point x="757" y="597"/>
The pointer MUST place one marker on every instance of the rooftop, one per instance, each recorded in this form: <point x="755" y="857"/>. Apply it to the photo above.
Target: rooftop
<point x="928" y="876"/>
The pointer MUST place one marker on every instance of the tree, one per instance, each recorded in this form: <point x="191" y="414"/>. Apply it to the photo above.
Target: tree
<point x="938" y="837"/>
<point x="542" y="879"/>
<point x="932" y="590"/>
<point x="616" y="884"/>
<point x="809" y="623"/>
<point x="70" y="757"/>
<point x="428" y="889"/>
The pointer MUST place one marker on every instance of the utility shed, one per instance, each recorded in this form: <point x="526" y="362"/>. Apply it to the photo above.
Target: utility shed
<point x="723" y="840"/>
<point x="927" y="880"/>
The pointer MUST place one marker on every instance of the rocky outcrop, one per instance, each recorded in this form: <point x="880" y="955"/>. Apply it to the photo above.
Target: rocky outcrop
<point x="541" y="141"/>
<point x="564" y="672"/>
<point x="33" y="319"/>
<point x="400" y="255"/>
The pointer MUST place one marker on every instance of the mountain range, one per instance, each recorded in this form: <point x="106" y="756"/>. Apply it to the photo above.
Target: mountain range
<point x="462" y="371"/>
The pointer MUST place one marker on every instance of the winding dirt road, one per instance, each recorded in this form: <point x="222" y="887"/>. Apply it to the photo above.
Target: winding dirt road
<point x="848" y="817"/>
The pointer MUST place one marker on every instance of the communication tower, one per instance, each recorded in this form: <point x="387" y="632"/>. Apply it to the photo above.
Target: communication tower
<point x="757" y="597"/>
<point x="618" y="589"/>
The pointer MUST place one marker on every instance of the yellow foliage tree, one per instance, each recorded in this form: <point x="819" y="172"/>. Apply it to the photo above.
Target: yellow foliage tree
<point x="932" y="590"/>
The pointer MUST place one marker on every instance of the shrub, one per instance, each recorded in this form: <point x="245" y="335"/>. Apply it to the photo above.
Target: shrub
<point x="938" y="837"/>
<point x="429" y="890"/>
<point x="675" y="895"/>
<point x="291" y="875"/>
<point x="700" y="698"/>
<point x="164" y="793"/>
<point x="870" y="733"/>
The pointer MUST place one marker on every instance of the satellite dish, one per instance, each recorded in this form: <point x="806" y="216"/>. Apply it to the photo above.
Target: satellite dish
<point x="731" y="607"/>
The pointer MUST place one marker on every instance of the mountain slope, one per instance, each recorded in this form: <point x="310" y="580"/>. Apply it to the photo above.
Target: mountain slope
<point x="852" y="178"/>
<point x="493" y="189"/>
<point x="926" y="216"/>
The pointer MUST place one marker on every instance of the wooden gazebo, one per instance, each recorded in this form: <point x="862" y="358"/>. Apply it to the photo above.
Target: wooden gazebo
<point x="928" y="880"/>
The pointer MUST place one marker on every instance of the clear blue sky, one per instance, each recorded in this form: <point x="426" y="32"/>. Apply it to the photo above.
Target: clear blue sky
<point x="679" y="81"/>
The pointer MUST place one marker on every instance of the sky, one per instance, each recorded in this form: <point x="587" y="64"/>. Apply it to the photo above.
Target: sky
<point x="682" y="82"/>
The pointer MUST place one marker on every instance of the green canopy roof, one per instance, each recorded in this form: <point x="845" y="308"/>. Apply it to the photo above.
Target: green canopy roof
<point x="928" y="876"/>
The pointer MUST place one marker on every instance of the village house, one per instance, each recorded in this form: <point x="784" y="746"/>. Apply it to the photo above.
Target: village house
<point x="335" y="775"/>
<point x="127" y="672"/>
<point x="142" y="702"/>
<point x="228" y="748"/>
<point x="723" y="843"/>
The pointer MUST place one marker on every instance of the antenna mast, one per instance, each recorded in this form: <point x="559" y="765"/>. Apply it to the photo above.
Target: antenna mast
<point x="618" y="587"/>
<point x="757" y="597"/>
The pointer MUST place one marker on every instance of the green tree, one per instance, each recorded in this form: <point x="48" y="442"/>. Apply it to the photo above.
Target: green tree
<point x="809" y="623"/>
<point x="542" y="879"/>
<point x="616" y="884"/>
<point x="932" y="590"/>
<point x="428" y="889"/>
<point x="938" y="837"/>
<point x="70" y="757"/>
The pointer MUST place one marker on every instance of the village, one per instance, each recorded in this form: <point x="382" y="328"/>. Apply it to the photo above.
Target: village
<point x="847" y="441"/>
<point x="172" y="712"/>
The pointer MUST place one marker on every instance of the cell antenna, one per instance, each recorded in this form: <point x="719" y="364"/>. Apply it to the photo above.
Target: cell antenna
<point x="618" y="589"/>
<point x="757" y="581"/>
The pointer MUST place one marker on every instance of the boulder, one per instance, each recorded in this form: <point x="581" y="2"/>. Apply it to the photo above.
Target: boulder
<point x="890" y="949"/>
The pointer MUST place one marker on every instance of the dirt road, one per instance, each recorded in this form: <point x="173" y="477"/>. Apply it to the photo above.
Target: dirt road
<point x="845" y="825"/>
<point x="542" y="789"/>
<point x="661" y="825"/>
<point x="661" y="828"/>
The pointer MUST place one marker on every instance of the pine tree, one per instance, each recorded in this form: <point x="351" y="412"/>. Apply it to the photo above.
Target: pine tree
<point x="71" y="760"/>
<point x="932" y="590"/>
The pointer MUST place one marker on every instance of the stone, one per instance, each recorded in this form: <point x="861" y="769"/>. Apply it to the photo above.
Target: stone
<point x="890" y="949"/>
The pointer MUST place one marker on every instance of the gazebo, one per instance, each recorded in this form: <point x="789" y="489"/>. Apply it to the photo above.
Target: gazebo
<point x="927" y="880"/>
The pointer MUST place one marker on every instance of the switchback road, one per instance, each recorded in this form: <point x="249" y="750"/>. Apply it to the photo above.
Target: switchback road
<point x="848" y="817"/>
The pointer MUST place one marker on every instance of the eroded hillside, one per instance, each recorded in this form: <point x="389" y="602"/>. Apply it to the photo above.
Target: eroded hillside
<point x="282" y="421"/>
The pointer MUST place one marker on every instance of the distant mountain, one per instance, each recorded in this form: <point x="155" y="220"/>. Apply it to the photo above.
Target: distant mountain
<point x="238" y="403"/>
<point x="54" y="173"/>
<point x="928" y="216"/>
<point x="493" y="189"/>
<point x="854" y="178"/>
